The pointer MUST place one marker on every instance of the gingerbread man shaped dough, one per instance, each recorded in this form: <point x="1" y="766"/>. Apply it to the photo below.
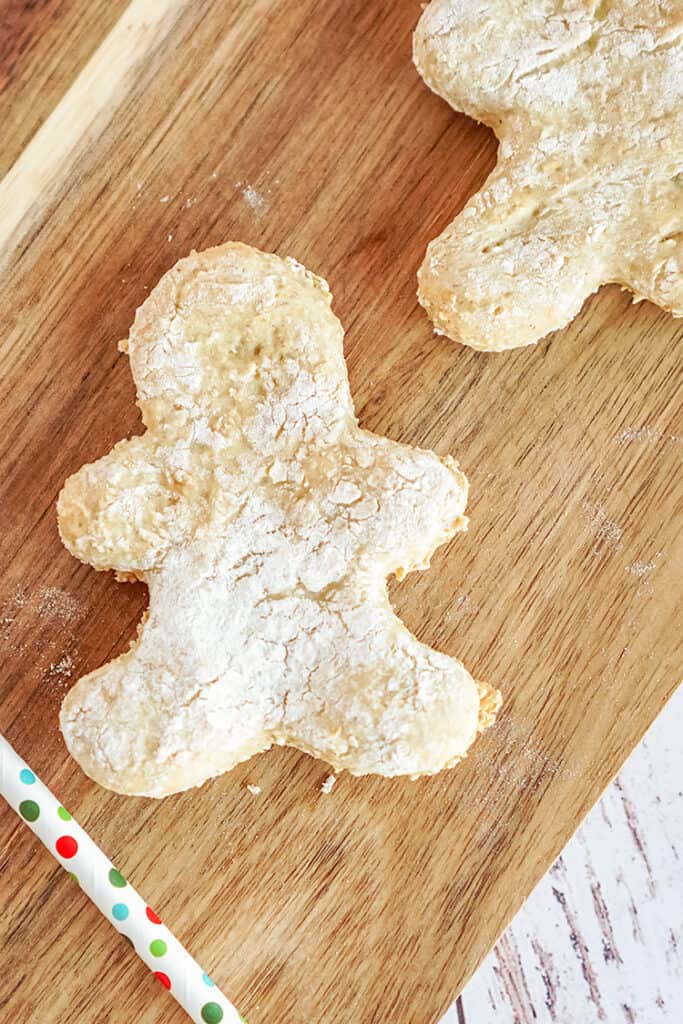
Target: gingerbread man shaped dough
<point x="264" y="522"/>
<point x="586" y="98"/>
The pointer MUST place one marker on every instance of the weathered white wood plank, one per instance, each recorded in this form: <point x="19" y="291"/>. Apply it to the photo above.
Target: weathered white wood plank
<point x="601" y="937"/>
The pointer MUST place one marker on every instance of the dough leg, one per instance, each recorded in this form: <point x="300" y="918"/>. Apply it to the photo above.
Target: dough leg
<point x="384" y="704"/>
<point x="143" y="731"/>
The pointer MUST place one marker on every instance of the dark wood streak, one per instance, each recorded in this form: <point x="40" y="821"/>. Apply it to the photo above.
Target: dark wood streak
<point x="610" y="951"/>
<point x="582" y="953"/>
<point x="42" y="47"/>
<point x="636" y="930"/>
<point x="550" y="978"/>
<point x="511" y="973"/>
<point x="673" y="941"/>
<point x="638" y="840"/>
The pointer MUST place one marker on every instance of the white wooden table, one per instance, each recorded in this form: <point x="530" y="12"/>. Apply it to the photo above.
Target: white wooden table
<point x="601" y="937"/>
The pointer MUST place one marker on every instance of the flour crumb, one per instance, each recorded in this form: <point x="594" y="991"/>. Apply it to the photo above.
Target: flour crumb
<point x="639" y="434"/>
<point x="18" y="597"/>
<point x="328" y="784"/>
<point x="647" y="434"/>
<point x="164" y="199"/>
<point x="254" y="790"/>
<point x="170" y="238"/>
<point x="63" y="668"/>
<point x="254" y="199"/>
<point x="608" y="533"/>
<point x="58" y="604"/>
<point x="15" y="603"/>
<point x="640" y="568"/>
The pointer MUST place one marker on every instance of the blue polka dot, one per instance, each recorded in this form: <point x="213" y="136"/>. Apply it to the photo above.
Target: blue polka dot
<point x="120" y="911"/>
<point x="207" y="980"/>
<point x="27" y="777"/>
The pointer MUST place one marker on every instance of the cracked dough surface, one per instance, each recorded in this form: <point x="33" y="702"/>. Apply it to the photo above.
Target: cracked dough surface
<point x="264" y="522"/>
<point x="586" y="98"/>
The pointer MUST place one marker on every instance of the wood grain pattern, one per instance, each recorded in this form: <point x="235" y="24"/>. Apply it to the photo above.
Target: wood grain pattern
<point x="600" y="937"/>
<point x="301" y="127"/>
<point x="100" y="85"/>
<point x="43" y="45"/>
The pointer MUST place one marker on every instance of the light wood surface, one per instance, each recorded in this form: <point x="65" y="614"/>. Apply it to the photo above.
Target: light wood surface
<point x="302" y="127"/>
<point x="600" y="937"/>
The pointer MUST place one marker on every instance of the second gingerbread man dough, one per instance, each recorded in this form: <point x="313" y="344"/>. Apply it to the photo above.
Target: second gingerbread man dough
<point x="587" y="101"/>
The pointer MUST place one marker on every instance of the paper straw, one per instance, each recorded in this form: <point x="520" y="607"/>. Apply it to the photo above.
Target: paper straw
<point x="111" y="893"/>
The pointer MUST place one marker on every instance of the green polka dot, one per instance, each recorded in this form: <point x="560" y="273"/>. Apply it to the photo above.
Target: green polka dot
<point x="212" y="1013"/>
<point x="117" y="879"/>
<point x="119" y="911"/>
<point x="73" y="877"/>
<point x="29" y="810"/>
<point x="63" y="814"/>
<point x="158" y="947"/>
<point x="243" y="1019"/>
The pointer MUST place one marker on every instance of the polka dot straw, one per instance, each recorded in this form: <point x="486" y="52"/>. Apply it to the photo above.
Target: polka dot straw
<point x="114" y="897"/>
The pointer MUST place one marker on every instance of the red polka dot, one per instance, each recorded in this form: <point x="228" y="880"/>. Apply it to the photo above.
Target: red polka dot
<point x="163" y="978"/>
<point x="154" y="918"/>
<point x="66" y="847"/>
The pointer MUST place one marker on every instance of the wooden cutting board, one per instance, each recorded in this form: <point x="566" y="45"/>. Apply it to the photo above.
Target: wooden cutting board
<point x="302" y="127"/>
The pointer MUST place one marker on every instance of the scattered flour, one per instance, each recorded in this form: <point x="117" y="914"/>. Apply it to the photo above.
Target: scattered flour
<point x="49" y="602"/>
<point x="63" y="668"/>
<point x="641" y="568"/>
<point x="254" y="199"/>
<point x="647" y="434"/>
<point x="254" y="790"/>
<point x="52" y="604"/>
<point x="55" y="603"/>
<point x="608" y="533"/>
<point x="15" y="602"/>
<point x="639" y="434"/>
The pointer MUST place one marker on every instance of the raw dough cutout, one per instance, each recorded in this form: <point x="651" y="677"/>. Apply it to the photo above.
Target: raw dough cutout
<point x="264" y="522"/>
<point x="587" y="101"/>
